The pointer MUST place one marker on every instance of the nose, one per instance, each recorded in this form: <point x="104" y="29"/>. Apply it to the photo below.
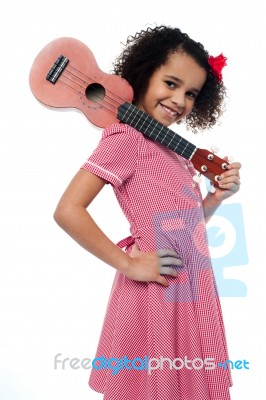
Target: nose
<point x="178" y="98"/>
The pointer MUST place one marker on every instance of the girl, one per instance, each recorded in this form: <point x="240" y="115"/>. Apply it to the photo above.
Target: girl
<point x="163" y="327"/>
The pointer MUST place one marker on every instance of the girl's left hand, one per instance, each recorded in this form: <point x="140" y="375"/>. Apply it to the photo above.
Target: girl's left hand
<point x="230" y="182"/>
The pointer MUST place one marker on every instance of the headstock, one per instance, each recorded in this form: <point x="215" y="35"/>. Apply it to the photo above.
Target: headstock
<point x="209" y="165"/>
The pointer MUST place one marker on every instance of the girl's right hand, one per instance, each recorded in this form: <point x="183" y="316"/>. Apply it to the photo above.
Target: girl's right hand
<point x="147" y="267"/>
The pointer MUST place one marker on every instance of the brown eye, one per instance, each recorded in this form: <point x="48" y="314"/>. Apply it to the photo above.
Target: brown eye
<point x="170" y="84"/>
<point x="191" y="95"/>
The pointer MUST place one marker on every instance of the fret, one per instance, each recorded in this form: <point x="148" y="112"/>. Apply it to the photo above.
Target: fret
<point x="138" y="119"/>
<point x="171" y="140"/>
<point x="144" y="127"/>
<point x="147" y="126"/>
<point x="139" y="124"/>
<point x="144" y="121"/>
<point x="185" y="148"/>
<point x="178" y="144"/>
<point x="160" y="130"/>
<point x="136" y="111"/>
<point x="125" y="117"/>
<point x="170" y="135"/>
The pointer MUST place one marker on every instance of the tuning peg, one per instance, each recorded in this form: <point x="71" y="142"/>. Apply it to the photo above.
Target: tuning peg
<point x="197" y="178"/>
<point x="214" y="149"/>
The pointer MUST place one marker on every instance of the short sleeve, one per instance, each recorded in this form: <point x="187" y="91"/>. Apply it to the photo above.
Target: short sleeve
<point x="115" y="157"/>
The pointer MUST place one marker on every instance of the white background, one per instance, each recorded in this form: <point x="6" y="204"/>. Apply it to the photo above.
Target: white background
<point x="53" y="294"/>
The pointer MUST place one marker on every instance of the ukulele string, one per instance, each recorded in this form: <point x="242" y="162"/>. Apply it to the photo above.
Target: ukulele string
<point x="120" y="99"/>
<point x="79" y="89"/>
<point x="109" y="101"/>
<point x="114" y="101"/>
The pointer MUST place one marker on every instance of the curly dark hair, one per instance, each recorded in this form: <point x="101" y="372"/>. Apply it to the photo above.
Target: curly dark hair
<point x="149" y="49"/>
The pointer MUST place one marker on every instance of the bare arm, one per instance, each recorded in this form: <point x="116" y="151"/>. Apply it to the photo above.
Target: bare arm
<point x="71" y="215"/>
<point x="210" y="205"/>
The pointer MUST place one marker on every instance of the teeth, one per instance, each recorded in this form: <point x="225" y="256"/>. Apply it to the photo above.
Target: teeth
<point x="174" y="114"/>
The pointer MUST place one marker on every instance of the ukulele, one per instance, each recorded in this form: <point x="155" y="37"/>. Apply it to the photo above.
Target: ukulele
<point x="65" y="74"/>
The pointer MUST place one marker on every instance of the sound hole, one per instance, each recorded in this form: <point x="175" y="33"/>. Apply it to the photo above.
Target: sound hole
<point x="95" y="92"/>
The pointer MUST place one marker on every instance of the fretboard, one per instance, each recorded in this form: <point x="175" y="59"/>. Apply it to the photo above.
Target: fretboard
<point x="138" y="119"/>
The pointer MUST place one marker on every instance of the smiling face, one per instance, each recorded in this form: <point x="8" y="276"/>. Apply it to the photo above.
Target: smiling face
<point x="173" y="88"/>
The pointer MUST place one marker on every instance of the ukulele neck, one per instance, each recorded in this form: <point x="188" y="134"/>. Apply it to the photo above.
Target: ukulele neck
<point x="133" y="116"/>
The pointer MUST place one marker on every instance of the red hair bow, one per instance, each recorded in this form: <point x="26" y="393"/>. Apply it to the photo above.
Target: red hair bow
<point x="217" y="64"/>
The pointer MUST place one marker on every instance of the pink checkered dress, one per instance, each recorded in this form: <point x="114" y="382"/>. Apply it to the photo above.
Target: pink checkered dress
<point x="163" y="205"/>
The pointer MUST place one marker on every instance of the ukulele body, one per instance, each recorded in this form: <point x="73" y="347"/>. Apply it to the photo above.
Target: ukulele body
<point x="85" y="87"/>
